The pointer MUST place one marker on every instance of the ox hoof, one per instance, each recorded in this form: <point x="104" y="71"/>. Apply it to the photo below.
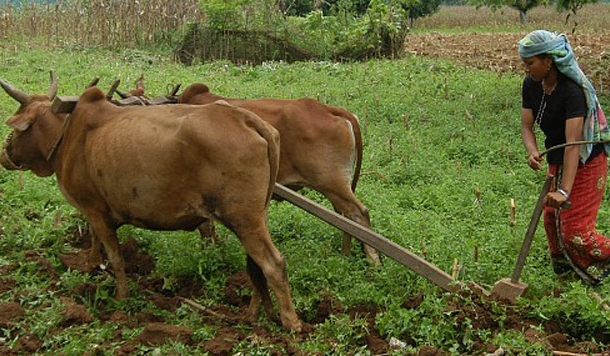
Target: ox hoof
<point x="252" y="314"/>
<point x="293" y="325"/>
<point x="372" y="255"/>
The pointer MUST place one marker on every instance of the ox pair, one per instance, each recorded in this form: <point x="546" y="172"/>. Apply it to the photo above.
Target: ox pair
<point x="167" y="167"/>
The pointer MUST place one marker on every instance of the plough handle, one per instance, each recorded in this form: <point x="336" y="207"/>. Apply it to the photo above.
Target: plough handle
<point x="531" y="230"/>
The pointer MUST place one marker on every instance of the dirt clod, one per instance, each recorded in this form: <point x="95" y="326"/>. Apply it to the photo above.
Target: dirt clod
<point x="160" y="333"/>
<point x="74" y="314"/>
<point x="9" y="313"/>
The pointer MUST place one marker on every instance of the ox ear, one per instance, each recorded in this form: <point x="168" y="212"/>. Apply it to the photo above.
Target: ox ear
<point x="21" y="122"/>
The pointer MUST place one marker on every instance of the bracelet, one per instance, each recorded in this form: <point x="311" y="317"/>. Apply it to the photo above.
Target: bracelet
<point x="564" y="193"/>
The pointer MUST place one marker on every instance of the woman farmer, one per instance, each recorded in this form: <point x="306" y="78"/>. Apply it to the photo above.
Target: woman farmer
<point x="559" y="99"/>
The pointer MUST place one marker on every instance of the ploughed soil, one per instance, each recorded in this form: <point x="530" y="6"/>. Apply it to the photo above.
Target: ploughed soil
<point x="471" y="307"/>
<point x="498" y="52"/>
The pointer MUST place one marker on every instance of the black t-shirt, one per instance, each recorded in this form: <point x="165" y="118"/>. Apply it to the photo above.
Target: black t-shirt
<point x="567" y="101"/>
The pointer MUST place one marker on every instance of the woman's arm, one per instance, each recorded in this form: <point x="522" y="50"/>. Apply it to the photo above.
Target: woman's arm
<point x="570" y="162"/>
<point x="529" y="139"/>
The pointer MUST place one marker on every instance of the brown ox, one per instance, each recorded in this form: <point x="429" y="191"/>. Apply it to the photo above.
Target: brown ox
<point x="165" y="168"/>
<point x="321" y="147"/>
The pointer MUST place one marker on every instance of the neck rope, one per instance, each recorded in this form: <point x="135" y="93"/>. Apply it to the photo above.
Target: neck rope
<point x="59" y="138"/>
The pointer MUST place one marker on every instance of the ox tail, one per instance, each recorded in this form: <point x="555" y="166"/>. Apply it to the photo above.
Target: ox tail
<point x="259" y="283"/>
<point x="270" y="134"/>
<point x="353" y="119"/>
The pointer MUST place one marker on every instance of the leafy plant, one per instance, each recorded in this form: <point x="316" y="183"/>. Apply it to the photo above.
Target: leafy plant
<point x="577" y="311"/>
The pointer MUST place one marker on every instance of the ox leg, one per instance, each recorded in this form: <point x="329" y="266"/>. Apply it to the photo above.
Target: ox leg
<point x="95" y="251"/>
<point x="108" y="237"/>
<point x="257" y="242"/>
<point x="208" y="232"/>
<point x="349" y="206"/>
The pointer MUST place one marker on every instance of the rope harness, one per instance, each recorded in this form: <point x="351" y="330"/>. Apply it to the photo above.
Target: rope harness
<point x="5" y="158"/>
<point x="59" y="138"/>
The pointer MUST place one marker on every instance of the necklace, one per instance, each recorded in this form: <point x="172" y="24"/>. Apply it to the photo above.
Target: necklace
<point x="541" y="110"/>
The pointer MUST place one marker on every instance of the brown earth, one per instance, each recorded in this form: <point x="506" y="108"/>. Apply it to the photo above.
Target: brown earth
<point x="472" y="309"/>
<point x="498" y="52"/>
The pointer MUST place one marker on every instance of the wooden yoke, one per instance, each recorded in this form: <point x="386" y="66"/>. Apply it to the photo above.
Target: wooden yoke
<point x="66" y="104"/>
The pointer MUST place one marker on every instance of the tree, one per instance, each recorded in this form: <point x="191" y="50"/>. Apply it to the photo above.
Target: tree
<point x="422" y="8"/>
<point x="523" y="6"/>
<point x="304" y="7"/>
<point x="573" y="6"/>
<point x="295" y="7"/>
<point x="414" y="8"/>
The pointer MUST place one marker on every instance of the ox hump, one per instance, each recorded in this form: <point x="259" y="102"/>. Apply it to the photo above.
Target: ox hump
<point x="198" y="88"/>
<point x="91" y="95"/>
<point x="192" y="91"/>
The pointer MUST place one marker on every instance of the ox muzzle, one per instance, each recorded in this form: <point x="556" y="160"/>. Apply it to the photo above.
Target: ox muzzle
<point x="5" y="159"/>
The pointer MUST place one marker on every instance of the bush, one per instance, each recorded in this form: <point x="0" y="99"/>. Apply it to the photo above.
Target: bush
<point x="254" y="31"/>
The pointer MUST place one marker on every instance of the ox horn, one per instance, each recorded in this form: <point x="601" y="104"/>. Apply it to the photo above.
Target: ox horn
<point x="15" y="93"/>
<point x="53" y="87"/>
<point x="93" y="82"/>
<point x="113" y="88"/>
<point x="174" y="91"/>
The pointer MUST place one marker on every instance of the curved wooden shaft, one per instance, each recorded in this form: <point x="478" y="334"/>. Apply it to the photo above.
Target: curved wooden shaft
<point x="367" y="236"/>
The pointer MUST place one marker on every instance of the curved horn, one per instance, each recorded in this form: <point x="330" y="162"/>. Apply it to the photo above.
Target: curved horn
<point x="93" y="82"/>
<point x="15" y="93"/>
<point x="174" y="91"/>
<point x="53" y="87"/>
<point x="113" y="88"/>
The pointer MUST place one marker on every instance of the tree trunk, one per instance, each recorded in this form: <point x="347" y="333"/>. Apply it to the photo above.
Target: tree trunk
<point x="523" y="17"/>
<point x="317" y="4"/>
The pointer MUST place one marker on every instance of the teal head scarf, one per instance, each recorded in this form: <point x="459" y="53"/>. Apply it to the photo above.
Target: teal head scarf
<point x="544" y="42"/>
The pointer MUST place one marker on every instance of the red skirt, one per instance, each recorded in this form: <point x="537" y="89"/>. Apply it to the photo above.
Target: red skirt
<point x="571" y="233"/>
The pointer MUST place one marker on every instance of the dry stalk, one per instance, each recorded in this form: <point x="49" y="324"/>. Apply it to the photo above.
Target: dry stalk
<point x="203" y="309"/>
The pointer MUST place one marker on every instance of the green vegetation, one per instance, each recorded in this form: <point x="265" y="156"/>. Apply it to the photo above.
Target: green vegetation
<point x="435" y="134"/>
<point x="431" y="141"/>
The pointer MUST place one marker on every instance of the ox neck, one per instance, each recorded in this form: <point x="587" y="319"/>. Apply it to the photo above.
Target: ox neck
<point x="58" y="139"/>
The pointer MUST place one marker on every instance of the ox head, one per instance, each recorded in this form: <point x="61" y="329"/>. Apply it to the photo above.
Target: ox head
<point x="27" y="147"/>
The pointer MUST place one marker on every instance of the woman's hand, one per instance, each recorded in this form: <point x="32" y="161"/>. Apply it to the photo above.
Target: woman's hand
<point x="557" y="200"/>
<point x="534" y="161"/>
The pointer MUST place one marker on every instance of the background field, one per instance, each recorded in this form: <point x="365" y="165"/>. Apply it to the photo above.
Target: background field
<point x="443" y="159"/>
